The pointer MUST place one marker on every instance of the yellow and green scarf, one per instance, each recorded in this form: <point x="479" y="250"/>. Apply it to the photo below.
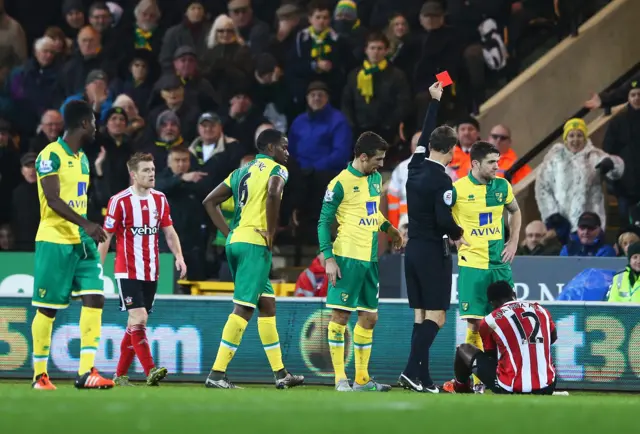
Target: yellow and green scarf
<point x="167" y="145"/>
<point x="365" y="78"/>
<point x="319" y="44"/>
<point x="142" y="39"/>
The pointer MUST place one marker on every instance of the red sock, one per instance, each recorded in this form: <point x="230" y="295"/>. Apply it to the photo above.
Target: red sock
<point x="126" y="354"/>
<point x="141" y="347"/>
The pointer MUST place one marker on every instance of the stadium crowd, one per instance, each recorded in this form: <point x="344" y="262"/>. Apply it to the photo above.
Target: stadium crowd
<point x="195" y="82"/>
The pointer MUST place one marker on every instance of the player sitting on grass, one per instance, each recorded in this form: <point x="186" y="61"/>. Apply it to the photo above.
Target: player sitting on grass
<point x="353" y="198"/>
<point x="517" y="338"/>
<point x="257" y="190"/>
<point x="66" y="259"/>
<point x="135" y="216"/>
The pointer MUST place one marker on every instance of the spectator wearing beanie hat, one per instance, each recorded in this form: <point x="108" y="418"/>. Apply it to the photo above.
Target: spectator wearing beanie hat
<point x="168" y="135"/>
<point x="74" y="18"/>
<point x="349" y="27"/>
<point x="625" y="287"/>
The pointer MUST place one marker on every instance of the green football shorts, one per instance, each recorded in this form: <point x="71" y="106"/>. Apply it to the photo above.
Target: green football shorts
<point x="250" y="265"/>
<point x="359" y="287"/>
<point x="472" y="289"/>
<point x="63" y="271"/>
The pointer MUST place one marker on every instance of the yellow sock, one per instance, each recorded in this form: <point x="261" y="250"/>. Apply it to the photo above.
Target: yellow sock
<point x="474" y="339"/>
<point x="336" y="348"/>
<point x="362" y="340"/>
<point x="231" y="337"/>
<point x="270" y="341"/>
<point x="41" y="328"/>
<point x="90" y="325"/>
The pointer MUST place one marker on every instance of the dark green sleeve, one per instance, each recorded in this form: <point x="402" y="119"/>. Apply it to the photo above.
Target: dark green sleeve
<point x="332" y="199"/>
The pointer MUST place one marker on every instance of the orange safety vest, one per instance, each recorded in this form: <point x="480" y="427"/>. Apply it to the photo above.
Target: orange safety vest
<point x="461" y="162"/>
<point x="507" y="160"/>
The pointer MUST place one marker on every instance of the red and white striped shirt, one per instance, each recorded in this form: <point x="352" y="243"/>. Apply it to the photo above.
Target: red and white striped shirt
<point x="136" y="221"/>
<point x="521" y="333"/>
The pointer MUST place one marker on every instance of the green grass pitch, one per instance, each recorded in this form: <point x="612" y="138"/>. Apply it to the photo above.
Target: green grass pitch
<point x="191" y="408"/>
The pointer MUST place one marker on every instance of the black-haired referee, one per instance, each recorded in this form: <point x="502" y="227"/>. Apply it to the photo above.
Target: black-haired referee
<point x="427" y="259"/>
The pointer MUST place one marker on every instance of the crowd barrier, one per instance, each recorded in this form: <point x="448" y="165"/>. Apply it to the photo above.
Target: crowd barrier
<point x="598" y="345"/>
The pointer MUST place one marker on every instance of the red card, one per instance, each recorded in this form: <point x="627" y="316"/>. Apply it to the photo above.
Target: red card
<point x="444" y="79"/>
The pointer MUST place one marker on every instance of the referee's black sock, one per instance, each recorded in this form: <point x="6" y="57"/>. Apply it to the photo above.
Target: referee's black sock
<point x="413" y="364"/>
<point x="428" y="331"/>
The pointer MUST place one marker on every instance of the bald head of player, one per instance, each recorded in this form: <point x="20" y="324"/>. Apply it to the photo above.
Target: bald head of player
<point x="273" y="143"/>
<point x="499" y="293"/>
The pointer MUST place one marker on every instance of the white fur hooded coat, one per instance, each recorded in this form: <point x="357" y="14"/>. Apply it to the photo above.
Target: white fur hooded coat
<point x="569" y="183"/>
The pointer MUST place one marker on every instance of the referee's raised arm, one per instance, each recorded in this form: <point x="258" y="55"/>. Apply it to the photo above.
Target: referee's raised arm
<point x="428" y="126"/>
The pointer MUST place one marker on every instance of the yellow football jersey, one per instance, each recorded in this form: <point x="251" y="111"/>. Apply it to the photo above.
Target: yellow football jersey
<point x="352" y="198"/>
<point x="478" y="209"/>
<point x="249" y="185"/>
<point x="73" y="172"/>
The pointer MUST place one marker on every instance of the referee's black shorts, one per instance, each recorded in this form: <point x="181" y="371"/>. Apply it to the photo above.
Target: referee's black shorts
<point x="427" y="274"/>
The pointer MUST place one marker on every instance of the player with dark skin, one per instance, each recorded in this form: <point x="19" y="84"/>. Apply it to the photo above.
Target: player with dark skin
<point x="498" y="294"/>
<point x="277" y="151"/>
<point x="76" y="138"/>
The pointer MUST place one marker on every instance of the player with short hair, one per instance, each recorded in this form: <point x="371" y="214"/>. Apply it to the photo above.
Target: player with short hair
<point x="136" y="216"/>
<point x="66" y="258"/>
<point x="353" y="198"/>
<point x="256" y="189"/>
<point x="478" y="203"/>
<point x="517" y="338"/>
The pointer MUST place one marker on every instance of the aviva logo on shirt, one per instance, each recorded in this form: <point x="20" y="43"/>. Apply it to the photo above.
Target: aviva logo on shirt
<point x="372" y="210"/>
<point x="82" y="191"/>
<point x="485" y="219"/>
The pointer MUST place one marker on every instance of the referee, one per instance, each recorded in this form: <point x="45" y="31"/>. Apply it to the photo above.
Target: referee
<point x="427" y="258"/>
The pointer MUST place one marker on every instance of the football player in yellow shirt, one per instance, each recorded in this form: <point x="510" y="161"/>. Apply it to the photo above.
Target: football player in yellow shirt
<point x="353" y="198"/>
<point x="256" y="189"/>
<point x="479" y="200"/>
<point x="66" y="259"/>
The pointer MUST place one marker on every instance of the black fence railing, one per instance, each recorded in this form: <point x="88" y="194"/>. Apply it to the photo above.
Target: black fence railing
<point x="548" y="140"/>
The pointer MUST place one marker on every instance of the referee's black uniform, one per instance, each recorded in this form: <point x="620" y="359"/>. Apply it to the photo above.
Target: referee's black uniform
<point x="427" y="258"/>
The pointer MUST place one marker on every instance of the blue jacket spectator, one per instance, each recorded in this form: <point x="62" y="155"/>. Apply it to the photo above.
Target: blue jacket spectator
<point x="588" y="240"/>
<point x="96" y="93"/>
<point x="320" y="139"/>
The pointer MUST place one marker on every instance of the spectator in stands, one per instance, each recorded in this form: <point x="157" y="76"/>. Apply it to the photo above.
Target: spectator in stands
<point x="624" y="287"/>
<point x="347" y="24"/>
<point x="168" y="137"/>
<point x="12" y="34"/>
<point x="25" y="205"/>
<point x="500" y="136"/>
<point x="569" y="179"/>
<point x="6" y="238"/>
<point x="536" y="242"/>
<point x="89" y="57"/>
<point x="51" y="126"/>
<point x="10" y="175"/>
<point x="289" y="21"/>
<point x="254" y="32"/>
<point x="111" y="37"/>
<point x="376" y="96"/>
<point x="7" y="60"/>
<point x="74" y="19"/>
<point x="96" y="93"/>
<point x="558" y="228"/>
<point x="271" y="92"/>
<point x="313" y="282"/>
<point x="320" y="139"/>
<point x="402" y="45"/>
<point x="138" y="84"/>
<point x="623" y="139"/>
<point x="136" y="123"/>
<point x="61" y="44"/>
<point x="191" y="32"/>
<point x="396" y="189"/>
<point x="613" y="97"/>
<point x="319" y="54"/>
<point x="146" y="33"/>
<point x="383" y="10"/>
<point x="196" y="87"/>
<point x="588" y="240"/>
<point x="243" y="119"/>
<point x="468" y="134"/>
<point x="212" y="141"/>
<point x="178" y="183"/>
<point x="32" y="86"/>
<point x="626" y="237"/>
<point x="173" y="98"/>
<point x="227" y="60"/>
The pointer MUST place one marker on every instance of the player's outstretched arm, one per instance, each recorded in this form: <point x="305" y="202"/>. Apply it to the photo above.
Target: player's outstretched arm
<point x="103" y="247"/>
<point x="173" y="241"/>
<point x="51" y="189"/>
<point x="212" y="205"/>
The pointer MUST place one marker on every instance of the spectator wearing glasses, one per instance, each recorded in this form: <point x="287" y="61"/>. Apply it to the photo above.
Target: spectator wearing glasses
<point x="500" y="136"/>
<point x="51" y="125"/>
<point x="588" y="240"/>
<point x="254" y="32"/>
<point x="537" y="243"/>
